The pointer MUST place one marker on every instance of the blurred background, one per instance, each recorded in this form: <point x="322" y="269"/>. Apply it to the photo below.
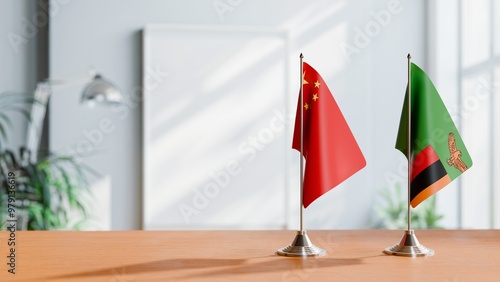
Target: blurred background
<point x="201" y="138"/>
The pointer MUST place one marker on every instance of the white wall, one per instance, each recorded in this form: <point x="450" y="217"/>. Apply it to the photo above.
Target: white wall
<point x="368" y="87"/>
<point x="468" y="88"/>
<point x="18" y="57"/>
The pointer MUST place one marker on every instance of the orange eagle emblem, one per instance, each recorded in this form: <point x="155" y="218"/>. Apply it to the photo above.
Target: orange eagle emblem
<point x="455" y="155"/>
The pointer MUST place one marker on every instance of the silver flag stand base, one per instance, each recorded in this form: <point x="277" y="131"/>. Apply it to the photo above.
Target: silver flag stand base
<point x="301" y="247"/>
<point x="409" y="247"/>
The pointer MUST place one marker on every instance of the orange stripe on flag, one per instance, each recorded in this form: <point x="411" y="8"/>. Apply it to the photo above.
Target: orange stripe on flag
<point x="422" y="160"/>
<point x="430" y="190"/>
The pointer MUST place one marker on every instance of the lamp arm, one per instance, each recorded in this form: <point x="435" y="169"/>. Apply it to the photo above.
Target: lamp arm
<point x="38" y="111"/>
<point x="42" y="94"/>
<point x="57" y="84"/>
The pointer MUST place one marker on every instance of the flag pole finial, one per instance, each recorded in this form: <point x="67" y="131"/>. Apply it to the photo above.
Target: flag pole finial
<point x="409" y="56"/>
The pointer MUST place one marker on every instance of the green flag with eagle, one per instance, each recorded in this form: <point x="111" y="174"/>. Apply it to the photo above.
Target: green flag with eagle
<point x="438" y="154"/>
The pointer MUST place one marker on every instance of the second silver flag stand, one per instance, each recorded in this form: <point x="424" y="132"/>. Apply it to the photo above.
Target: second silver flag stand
<point x="409" y="245"/>
<point x="301" y="245"/>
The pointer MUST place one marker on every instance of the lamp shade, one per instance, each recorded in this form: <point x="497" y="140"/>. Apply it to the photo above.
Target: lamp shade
<point x="101" y="91"/>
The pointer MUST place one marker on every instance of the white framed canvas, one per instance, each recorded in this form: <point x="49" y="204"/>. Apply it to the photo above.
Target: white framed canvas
<point x="216" y="129"/>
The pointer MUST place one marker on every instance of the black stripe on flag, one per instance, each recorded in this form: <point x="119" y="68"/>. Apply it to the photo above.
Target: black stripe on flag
<point x="427" y="177"/>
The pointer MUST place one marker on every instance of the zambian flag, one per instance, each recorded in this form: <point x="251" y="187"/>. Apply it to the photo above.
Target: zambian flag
<point x="438" y="154"/>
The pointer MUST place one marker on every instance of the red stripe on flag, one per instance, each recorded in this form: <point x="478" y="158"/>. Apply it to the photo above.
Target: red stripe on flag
<point x="422" y="160"/>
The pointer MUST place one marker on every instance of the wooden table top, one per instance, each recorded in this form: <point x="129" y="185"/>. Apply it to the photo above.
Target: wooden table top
<point x="352" y="255"/>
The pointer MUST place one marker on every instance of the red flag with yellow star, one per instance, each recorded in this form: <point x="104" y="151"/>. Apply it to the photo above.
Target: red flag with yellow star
<point x="331" y="152"/>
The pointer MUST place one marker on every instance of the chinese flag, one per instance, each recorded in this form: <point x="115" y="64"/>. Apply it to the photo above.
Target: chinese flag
<point x="331" y="152"/>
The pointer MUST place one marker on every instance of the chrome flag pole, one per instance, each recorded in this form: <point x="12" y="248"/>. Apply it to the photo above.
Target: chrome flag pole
<point x="409" y="245"/>
<point x="301" y="206"/>
<point x="301" y="245"/>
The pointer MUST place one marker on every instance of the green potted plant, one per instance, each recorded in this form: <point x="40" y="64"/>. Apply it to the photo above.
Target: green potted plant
<point x="49" y="193"/>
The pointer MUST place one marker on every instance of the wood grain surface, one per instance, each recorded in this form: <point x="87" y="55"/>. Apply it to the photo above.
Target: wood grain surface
<point x="352" y="255"/>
